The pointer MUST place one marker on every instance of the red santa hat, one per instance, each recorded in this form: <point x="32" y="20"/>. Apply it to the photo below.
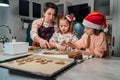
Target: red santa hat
<point x="96" y="20"/>
<point x="70" y="17"/>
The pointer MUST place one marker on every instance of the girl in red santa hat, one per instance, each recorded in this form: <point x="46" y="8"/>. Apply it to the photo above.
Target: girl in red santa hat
<point x="93" y="41"/>
<point x="64" y="34"/>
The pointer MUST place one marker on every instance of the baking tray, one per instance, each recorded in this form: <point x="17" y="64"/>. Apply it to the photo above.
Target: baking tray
<point x="35" y="68"/>
<point x="6" y="57"/>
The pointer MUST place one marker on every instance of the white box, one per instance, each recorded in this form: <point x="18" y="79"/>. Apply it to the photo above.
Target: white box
<point x="16" y="48"/>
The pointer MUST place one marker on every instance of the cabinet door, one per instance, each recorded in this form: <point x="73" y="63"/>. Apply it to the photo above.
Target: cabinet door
<point x="116" y="28"/>
<point x="5" y="74"/>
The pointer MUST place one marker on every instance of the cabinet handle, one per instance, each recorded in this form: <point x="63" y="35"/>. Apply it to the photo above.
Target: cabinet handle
<point x="113" y="41"/>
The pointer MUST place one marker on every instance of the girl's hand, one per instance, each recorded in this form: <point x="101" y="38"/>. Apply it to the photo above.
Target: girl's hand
<point x="70" y="44"/>
<point x="63" y="42"/>
<point x="77" y="51"/>
<point x="60" y="47"/>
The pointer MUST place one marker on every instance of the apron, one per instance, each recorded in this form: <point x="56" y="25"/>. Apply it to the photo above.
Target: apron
<point x="45" y="33"/>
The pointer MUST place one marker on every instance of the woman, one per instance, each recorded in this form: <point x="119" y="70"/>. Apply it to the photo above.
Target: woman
<point x="43" y="28"/>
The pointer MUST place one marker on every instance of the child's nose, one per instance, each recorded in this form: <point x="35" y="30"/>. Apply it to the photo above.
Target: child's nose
<point x="85" y="30"/>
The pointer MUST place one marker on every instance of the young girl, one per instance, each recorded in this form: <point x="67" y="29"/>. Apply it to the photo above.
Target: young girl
<point x="93" y="41"/>
<point x="65" y="33"/>
<point x="43" y="28"/>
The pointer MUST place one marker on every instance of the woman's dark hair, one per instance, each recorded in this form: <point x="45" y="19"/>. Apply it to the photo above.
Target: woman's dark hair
<point x="48" y="5"/>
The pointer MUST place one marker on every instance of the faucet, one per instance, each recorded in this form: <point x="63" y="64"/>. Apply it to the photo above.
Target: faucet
<point x="7" y="27"/>
<point x="5" y="39"/>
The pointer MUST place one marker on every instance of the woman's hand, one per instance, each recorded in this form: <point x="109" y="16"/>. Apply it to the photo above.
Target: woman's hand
<point x="44" y="43"/>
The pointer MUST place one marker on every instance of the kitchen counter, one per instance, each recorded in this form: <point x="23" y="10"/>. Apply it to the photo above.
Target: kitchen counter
<point x="94" y="69"/>
<point x="90" y="69"/>
<point x="6" y="57"/>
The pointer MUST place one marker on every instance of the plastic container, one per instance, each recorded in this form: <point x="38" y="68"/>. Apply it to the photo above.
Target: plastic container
<point x="15" y="48"/>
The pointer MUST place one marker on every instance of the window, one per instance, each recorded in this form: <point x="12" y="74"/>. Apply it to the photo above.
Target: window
<point x="60" y="8"/>
<point x="103" y="6"/>
<point x="80" y="11"/>
<point x="24" y="8"/>
<point x="36" y="10"/>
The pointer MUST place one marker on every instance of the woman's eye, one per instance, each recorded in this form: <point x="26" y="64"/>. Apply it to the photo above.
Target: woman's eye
<point x="49" y="13"/>
<point x="61" y="26"/>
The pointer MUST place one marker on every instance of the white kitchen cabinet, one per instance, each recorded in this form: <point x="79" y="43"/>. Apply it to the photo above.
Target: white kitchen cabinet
<point x="5" y="74"/>
<point x="116" y="29"/>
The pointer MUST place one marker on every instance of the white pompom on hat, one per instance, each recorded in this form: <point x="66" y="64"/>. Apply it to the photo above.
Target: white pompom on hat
<point x="96" y="20"/>
<point x="70" y="17"/>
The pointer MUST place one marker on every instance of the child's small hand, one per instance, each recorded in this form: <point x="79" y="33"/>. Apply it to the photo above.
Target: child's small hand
<point x="67" y="41"/>
<point x="70" y="44"/>
<point x="76" y="50"/>
<point x="63" y="42"/>
<point x="60" y="47"/>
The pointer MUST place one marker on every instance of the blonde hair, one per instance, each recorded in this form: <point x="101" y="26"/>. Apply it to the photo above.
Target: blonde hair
<point x="71" y="23"/>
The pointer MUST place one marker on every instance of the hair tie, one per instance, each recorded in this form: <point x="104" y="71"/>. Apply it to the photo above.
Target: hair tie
<point x="70" y="17"/>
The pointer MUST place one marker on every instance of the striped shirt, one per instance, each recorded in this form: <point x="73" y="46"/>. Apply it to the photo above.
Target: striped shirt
<point x="36" y="26"/>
